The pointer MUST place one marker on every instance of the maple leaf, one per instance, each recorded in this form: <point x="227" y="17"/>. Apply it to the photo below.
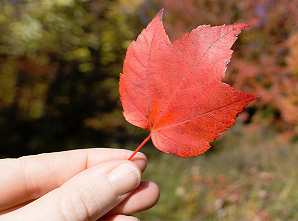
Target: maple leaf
<point x="176" y="91"/>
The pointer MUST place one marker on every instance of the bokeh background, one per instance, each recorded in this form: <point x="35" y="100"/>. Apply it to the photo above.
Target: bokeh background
<point x="59" y="70"/>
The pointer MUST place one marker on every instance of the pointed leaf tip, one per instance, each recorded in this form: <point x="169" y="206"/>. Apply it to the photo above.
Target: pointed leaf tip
<point x="160" y="14"/>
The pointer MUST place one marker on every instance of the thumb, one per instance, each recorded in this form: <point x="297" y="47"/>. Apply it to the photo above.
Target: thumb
<point x="87" y="196"/>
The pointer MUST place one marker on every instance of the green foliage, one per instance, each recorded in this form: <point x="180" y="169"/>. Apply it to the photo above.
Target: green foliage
<point x="60" y="62"/>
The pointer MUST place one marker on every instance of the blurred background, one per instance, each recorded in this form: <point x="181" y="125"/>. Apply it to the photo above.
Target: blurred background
<point x="59" y="70"/>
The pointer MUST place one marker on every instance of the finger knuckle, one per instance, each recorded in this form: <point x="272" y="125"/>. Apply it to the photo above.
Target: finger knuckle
<point x="77" y="205"/>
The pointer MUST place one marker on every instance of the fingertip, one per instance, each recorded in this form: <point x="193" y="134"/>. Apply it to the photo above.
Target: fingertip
<point x="145" y="196"/>
<point x="140" y="160"/>
<point x="154" y="193"/>
<point x="140" y="155"/>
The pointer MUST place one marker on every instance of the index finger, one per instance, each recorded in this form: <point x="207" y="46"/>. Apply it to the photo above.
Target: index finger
<point x="31" y="177"/>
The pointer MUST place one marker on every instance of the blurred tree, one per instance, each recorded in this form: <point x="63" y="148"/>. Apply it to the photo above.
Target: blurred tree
<point x="60" y="63"/>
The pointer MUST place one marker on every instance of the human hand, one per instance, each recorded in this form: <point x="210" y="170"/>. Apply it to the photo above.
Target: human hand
<point x="89" y="184"/>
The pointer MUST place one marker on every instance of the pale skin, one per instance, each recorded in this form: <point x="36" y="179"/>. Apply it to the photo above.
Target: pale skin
<point x="88" y="184"/>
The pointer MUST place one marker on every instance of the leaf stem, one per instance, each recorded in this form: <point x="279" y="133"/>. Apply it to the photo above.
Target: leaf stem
<point x="139" y="147"/>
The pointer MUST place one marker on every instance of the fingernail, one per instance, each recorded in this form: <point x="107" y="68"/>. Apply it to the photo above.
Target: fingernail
<point x="125" y="178"/>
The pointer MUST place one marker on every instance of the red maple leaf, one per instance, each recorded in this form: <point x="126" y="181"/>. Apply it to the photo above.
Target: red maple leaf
<point x="176" y="91"/>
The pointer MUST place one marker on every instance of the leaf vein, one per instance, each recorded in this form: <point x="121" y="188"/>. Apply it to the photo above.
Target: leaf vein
<point x="182" y="80"/>
<point x="173" y="125"/>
